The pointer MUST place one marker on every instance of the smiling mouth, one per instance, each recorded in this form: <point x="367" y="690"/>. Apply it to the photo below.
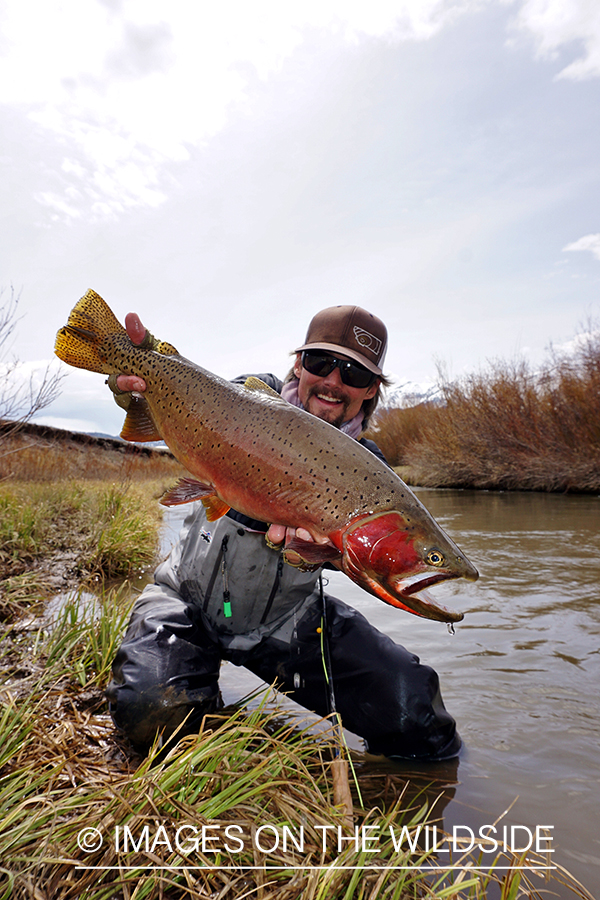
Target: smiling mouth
<point x="327" y="398"/>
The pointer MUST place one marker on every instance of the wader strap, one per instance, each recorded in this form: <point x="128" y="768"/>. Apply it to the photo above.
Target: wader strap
<point x="273" y="590"/>
<point x="225" y="574"/>
<point x="215" y="572"/>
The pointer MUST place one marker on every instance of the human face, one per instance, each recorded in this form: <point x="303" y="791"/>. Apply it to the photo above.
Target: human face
<point x="328" y="397"/>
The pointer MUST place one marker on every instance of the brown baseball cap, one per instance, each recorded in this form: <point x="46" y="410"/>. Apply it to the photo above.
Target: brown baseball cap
<point x="349" y="330"/>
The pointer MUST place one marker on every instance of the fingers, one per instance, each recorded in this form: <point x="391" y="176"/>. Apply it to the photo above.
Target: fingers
<point x="137" y="333"/>
<point x="275" y="536"/>
<point x="278" y="534"/>
<point x="131" y="383"/>
<point x="135" y="329"/>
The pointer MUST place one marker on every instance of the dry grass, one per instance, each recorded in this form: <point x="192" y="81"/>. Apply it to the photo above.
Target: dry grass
<point x="74" y="509"/>
<point x="38" y="454"/>
<point x="506" y="428"/>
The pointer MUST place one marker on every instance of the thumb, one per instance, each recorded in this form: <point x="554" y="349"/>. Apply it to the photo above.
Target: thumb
<point x="135" y="329"/>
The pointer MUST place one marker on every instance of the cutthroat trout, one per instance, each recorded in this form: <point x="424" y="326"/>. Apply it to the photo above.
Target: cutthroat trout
<point x="250" y="450"/>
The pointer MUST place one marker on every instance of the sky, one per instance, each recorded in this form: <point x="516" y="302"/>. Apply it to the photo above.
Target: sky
<point x="228" y="169"/>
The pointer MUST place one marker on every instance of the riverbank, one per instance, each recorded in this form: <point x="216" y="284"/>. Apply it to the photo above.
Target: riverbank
<point x="85" y="816"/>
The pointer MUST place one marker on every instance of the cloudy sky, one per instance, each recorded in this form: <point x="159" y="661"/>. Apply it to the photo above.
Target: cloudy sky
<point x="228" y="169"/>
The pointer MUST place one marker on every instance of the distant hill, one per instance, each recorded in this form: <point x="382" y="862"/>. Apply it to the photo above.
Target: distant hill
<point x="411" y="393"/>
<point x="156" y="445"/>
<point x="82" y="437"/>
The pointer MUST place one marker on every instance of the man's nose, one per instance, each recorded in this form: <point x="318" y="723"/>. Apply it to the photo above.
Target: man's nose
<point x="334" y="379"/>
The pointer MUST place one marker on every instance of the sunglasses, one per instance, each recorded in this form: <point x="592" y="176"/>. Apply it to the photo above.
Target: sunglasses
<point x="322" y="364"/>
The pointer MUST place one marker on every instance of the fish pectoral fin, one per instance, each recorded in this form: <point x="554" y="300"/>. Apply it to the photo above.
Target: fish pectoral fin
<point x="186" y="491"/>
<point x="312" y="552"/>
<point x="215" y="507"/>
<point x="255" y="384"/>
<point x="139" y="424"/>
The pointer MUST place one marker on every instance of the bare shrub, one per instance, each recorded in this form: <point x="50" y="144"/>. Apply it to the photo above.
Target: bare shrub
<point x="20" y="400"/>
<point x="507" y="427"/>
<point x="396" y="430"/>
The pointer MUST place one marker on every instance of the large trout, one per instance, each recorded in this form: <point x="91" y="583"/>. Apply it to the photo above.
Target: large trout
<point x="250" y="450"/>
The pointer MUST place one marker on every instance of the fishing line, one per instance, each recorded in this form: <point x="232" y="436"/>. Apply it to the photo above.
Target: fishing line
<point x="326" y="658"/>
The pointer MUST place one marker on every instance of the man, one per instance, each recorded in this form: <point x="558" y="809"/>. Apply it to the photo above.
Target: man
<point x="225" y="592"/>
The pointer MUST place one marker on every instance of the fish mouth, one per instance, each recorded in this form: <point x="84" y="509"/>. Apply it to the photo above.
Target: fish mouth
<point x="411" y="585"/>
<point x="413" y="594"/>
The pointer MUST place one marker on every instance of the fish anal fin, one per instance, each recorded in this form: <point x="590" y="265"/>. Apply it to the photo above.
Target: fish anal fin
<point x="256" y="384"/>
<point x="312" y="552"/>
<point x="139" y="424"/>
<point x="186" y="491"/>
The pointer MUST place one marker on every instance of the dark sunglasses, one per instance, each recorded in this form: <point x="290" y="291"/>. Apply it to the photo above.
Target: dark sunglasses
<point x="322" y="364"/>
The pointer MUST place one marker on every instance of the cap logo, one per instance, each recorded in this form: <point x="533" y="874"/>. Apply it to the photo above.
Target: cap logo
<point x="367" y="340"/>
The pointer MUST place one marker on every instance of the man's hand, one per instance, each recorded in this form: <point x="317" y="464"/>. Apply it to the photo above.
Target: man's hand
<point x="279" y="536"/>
<point x="137" y="333"/>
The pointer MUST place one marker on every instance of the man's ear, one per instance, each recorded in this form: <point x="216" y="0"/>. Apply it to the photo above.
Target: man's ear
<point x="373" y="389"/>
<point x="298" y="365"/>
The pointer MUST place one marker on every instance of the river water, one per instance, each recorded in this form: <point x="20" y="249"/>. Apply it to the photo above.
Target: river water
<point x="521" y="673"/>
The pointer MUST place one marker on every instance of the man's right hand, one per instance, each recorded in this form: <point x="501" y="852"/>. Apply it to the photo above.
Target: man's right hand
<point x="137" y="333"/>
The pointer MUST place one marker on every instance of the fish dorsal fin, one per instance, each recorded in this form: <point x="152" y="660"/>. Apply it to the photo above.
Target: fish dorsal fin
<point x="188" y="489"/>
<point x="255" y="384"/>
<point x="139" y="424"/>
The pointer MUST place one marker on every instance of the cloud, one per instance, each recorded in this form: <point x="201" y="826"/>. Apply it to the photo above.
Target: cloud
<point x="589" y="242"/>
<point x="88" y="426"/>
<point x="127" y="87"/>
<point x="560" y="25"/>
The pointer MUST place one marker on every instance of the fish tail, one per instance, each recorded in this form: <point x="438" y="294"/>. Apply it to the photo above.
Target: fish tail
<point x="82" y="342"/>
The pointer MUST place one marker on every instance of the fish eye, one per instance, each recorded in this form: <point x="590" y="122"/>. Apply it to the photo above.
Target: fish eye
<point x="435" y="558"/>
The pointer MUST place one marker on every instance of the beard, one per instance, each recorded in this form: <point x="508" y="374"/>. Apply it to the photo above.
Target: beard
<point x="335" y="416"/>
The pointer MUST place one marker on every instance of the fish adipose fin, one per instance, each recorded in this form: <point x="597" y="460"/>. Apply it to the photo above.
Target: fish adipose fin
<point x="255" y="384"/>
<point x="80" y="342"/>
<point x="139" y="424"/>
<point x="188" y="489"/>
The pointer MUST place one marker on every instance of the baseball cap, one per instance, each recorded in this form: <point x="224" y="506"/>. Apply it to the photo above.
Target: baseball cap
<point x="349" y="330"/>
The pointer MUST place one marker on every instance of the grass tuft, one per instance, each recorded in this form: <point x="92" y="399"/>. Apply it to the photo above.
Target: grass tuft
<point x="54" y="536"/>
